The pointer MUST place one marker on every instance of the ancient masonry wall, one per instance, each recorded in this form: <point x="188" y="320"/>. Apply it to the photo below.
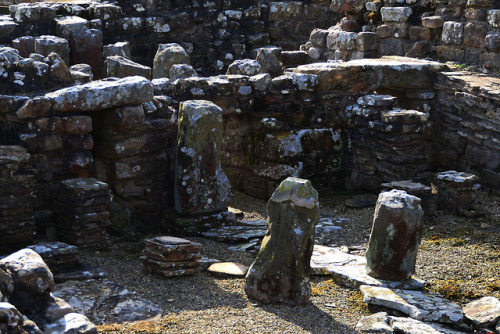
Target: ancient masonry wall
<point x="468" y="125"/>
<point x="214" y="33"/>
<point x="466" y="32"/>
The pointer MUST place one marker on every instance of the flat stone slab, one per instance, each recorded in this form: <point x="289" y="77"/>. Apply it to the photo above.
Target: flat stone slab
<point x="228" y="269"/>
<point x="383" y="323"/>
<point x="242" y="231"/>
<point x="483" y="312"/>
<point x="98" y="95"/>
<point x="104" y="301"/>
<point x="365" y="75"/>
<point x="350" y="270"/>
<point x="419" y="305"/>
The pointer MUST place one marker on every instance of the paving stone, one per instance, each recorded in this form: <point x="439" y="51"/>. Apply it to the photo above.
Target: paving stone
<point x="106" y="301"/>
<point x="228" y="269"/>
<point x="483" y="312"/>
<point x="425" y="306"/>
<point x="350" y="270"/>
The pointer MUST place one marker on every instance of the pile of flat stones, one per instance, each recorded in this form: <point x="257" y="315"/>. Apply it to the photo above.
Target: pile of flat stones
<point x="82" y="210"/>
<point x="58" y="256"/>
<point x="389" y="143"/>
<point x="170" y="256"/>
<point x="457" y="190"/>
<point x="17" y="222"/>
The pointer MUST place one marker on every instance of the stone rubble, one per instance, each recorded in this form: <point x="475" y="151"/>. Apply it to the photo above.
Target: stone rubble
<point x="171" y="256"/>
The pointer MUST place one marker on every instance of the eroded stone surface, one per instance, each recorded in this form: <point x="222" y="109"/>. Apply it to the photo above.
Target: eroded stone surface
<point x="419" y="305"/>
<point x="281" y="270"/>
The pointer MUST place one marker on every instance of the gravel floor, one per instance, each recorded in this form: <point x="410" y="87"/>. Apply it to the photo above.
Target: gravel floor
<point x="459" y="257"/>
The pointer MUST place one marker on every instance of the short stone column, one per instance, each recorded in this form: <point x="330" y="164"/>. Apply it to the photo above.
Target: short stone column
<point x="395" y="238"/>
<point x="282" y="268"/>
<point x="200" y="184"/>
<point x="456" y="190"/>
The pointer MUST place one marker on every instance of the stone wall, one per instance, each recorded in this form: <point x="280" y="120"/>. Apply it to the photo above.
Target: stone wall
<point x="214" y="33"/>
<point x="467" y="130"/>
<point x="460" y="31"/>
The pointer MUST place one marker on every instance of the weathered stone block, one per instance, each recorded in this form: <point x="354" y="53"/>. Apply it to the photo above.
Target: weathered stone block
<point x="318" y="37"/>
<point x="452" y="32"/>
<point x="395" y="237"/>
<point x="285" y="11"/>
<point x="391" y="46"/>
<point x="492" y="42"/>
<point x="105" y="12"/>
<point x="282" y="268"/>
<point x="395" y="14"/>
<point x="120" y="67"/>
<point x="100" y="95"/>
<point x="25" y="45"/>
<point x="494" y="18"/>
<point x="346" y="40"/>
<point x="450" y="53"/>
<point x="248" y="67"/>
<point x="117" y="49"/>
<point x="66" y="26"/>
<point x="348" y="6"/>
<point x="367" y="41"/>
<point x="86" y="48"/>
<point x="474" y="34"/>
<point x="166" y="56"/>
<point x="45" y="45"/>
<point x="384" y="31"/>
<point x="178" y="71"/>
<point x="268" y="58"/>
<point x="420" y="33"/>
<point x="483" y="312"/>
<point x="200" y="184"/>
<point x="32" y="12"/>
<point x="433" y="22"/>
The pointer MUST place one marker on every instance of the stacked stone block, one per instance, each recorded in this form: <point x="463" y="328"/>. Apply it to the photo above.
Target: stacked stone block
<point x="170" y="256"/>
<point x="17" y="199"/>
<point x="389" y="144"/>
<point x="456" y="190"/>
<point x="133" y="158"/>
<point x="60" y="257"/>
<point x="82" y="212"/>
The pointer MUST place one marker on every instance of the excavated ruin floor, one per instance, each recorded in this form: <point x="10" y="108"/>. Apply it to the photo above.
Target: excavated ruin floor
<point x="459" y="258"/>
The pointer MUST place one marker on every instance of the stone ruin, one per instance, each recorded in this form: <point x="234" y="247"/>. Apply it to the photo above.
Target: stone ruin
<point x="101" y="106"/>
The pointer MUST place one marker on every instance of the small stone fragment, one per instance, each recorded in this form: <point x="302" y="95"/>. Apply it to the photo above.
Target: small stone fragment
<point x="228" y="269"/>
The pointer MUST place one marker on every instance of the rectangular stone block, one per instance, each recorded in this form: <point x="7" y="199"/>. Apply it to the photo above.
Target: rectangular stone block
<point x="474" y="34"/>
<point x="367" y="41"/>
<point x="452" y="33"/>
<point x="420" y="33"/>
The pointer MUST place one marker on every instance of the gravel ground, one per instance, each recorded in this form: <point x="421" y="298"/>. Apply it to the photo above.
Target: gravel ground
<point x="459" y="257"/>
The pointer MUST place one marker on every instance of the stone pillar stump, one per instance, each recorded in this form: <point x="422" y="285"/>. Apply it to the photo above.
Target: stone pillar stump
<point x="395" y="238"/>
<point x="282" y="268"/>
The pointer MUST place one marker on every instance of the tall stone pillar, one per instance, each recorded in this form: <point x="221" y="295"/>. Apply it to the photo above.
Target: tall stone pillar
<point x="396" y="234"/>
<point x="282" y="268"/>
<point x="200" y="184"/>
